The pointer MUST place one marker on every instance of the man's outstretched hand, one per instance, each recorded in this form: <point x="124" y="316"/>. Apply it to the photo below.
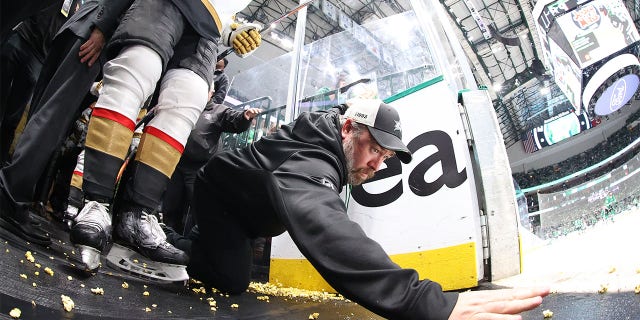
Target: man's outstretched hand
<point x="91" y="49"/>
<point x="503" y="304"/>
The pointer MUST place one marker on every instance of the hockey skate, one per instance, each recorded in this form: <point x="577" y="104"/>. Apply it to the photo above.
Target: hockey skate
<point x="154" y="258"/>
<point x="91" y="233"/>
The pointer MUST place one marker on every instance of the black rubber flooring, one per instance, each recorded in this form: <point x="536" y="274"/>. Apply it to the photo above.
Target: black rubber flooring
<point x="39" y="296"/>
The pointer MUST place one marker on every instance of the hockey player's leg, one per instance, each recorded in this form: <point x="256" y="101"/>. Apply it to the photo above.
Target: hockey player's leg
<point x="129" y="79"/>
<point x="183" y="95"/>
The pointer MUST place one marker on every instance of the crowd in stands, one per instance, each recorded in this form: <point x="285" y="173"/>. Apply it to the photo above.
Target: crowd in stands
<point x="614" y="143"/>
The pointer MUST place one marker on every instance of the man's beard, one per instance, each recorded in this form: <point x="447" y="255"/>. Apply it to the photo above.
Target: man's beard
<point x="354" y="176"/>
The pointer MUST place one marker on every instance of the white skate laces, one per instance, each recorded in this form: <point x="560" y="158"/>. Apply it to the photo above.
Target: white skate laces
<point x="156" y="236"/>
<point x="95" y="214"/>
<point x="141" y="229"/>
<point x="71" y="212"/>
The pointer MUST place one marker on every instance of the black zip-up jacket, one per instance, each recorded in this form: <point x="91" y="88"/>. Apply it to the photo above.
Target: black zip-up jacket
<point x="302" y="169"/>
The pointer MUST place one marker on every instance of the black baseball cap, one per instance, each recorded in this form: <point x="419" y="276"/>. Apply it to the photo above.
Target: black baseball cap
<point x="383" y="123"/>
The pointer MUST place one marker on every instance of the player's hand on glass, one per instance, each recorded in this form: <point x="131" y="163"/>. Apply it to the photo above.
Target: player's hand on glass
<point x="497" y="304"/>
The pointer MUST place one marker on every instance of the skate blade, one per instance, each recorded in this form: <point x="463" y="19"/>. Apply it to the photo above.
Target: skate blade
<point x="125" y="259"/>
<point x="90" y="258"/>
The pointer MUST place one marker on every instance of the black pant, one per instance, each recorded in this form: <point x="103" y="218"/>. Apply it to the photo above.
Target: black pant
<point x="20" y="69"/>
<point x="177" y="198"/>
<point x="56" y="103"/>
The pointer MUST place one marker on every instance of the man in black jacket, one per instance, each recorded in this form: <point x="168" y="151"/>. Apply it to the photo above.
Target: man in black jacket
<point x="291" y="181"/>
<point x="220" y="82"/>
<point x="68" y="72"/>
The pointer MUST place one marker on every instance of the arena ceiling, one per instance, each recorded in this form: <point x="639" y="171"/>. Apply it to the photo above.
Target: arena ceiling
<point x="498" y="37"/>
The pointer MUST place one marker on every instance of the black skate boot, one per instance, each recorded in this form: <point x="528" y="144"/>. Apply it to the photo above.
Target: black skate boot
<point x="91" y="233"/>
<point x="17" y="219"/>
<point x="139" y="229"/>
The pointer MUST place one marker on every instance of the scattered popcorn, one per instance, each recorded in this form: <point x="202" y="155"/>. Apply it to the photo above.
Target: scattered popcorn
<point x="169" y="312"/>
<point x="263" y="298"/>
<point x="119" y="298"/>
<point x="145" y="286"/>
<point x="612" y="270"/>
<point x="213" y="309"/>
<point x="314" y="316"/>
<point x="271" y="289"/>
<point x="37" y="273"/>
<point x="38" y="265"/>
<point x="147" y="309"/>
<point x="15" y="313"/>
<point x="33" y="303"/>
<point x="135" y="260"/>
<point x="547" y="313"/>
<point x="98" y="290"/>
<point x="49" y="271"/>
<point x="67" y="303"/>
<point x="213" y="303"/>
<point x="235" y="306"/>
<point x="69" y="278"/>
<point x="29" y="257"/>
<point x="125" y="285"/>
<point x="82" y="285"/>
<point x="637" y="289"/>
<point x="7" y="251"/>
<point x="34" y="284"/>
<point x="146" y="293"/>
<point x="154" y="305"/>
<point x="23" y="276"/>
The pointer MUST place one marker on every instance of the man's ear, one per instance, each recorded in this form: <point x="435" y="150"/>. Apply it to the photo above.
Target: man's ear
<point x="347" y="129"/>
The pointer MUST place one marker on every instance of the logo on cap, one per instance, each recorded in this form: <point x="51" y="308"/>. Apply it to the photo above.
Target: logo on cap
<point x="397" y="127"/>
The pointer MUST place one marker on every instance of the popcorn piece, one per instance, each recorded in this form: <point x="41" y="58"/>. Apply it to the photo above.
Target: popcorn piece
<point x="98" y="290"/>
<point x="125" y="285"/>
<point x="29" y="257"/>
<point x="263" y="298"/>
<point x="34" y="284"/>
<point x="37" y="273"/>
<point x="23" y="276"/>
<point x="147" y="309"/>
<point x="49" y="271"/>
<point x="69" y="278"/>
<point x="637" y="289"/>
<point x="603" y="288"/>
<point x="547" y="314"/>
<point x="612" y="270"/>
<point x="146" y="293"/>
<point x="67" y="303"/>
<point x="235" y="306"/>
<point x="15" y="313"/>
<point x="213" y="303"/>
<point x="314" y="316"/>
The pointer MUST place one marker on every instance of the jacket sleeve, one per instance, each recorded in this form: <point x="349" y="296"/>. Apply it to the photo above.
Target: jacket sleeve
<point x="108" y="17"/>
<point x="350" y="261"/>
<point x="222" y="86"/>
<point x="234" y="121"/>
